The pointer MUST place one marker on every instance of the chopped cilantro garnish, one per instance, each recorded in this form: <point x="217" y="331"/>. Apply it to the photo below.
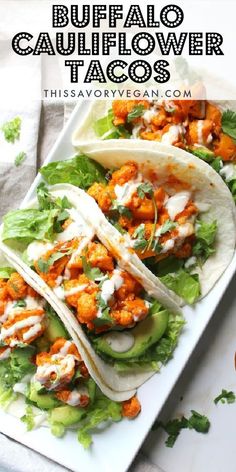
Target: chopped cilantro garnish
<point x="167" y="226"/>
<point x="93" y="273"/>
<point x="44" y="265"/>
<point x="225" y="396"/>
<point x="229" y="123"/>
<point x="139" y="232"/>
<point x="145" y="189"/>
<point x="198" y="422"/>
<point x="20" y="304"/>
<point x="11" y="129"/>
<point x="137" y="111"/>
<point x="20" y="158"/>
<point x="122" y="210"/>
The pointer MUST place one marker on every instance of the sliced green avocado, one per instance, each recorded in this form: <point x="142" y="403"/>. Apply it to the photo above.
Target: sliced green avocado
<point x="144" y="334"/>
<point x="55" y="328"/>
<point x="46" y="401"/>
<point x="67" y="415"/>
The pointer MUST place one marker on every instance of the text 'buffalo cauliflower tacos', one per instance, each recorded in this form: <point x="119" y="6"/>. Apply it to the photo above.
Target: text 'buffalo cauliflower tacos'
<point x="126" y="325"/>
<point x="43" y="378"/>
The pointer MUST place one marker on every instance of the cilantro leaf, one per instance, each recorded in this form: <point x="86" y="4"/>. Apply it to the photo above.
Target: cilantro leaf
<point x="20" y="158"/>
<point x="229" y="123"/>
<point x="5" y="272"/>
<point x="11" y="129"/>
<point x="137" y="111"/>
<point x="225" y="396"/>
<point x="92" y="273"/>
<point x="140" y="244"/>
<point x="44" y="265"/>
<point x="145" y="189"/>
<point x="199" y="422"/>
<point x="167" y="226"/>
<point x="122" y="210"/>
<point x="20" y="304"/>
<point x="139" y="232"/>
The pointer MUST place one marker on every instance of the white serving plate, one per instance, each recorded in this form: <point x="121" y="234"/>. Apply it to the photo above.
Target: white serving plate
<point x="115" y="447"/>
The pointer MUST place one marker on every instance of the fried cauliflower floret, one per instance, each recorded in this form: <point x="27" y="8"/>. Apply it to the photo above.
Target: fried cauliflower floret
<point x="200" y="131"/>
<point x="16" y="286"/>
<point x="131" y="408"/>
<point x="87" y="307"/>
<point x="225" y="147"/>
<point x="127" y="172"/>
<point x="130" y="311"/>
<point x="130" y="285"/>
<point x="98" y="256"/>
<point x="103" y="195"/>
<point x="65" y="347"/>
<point x="20" y="334"/>
<point x="3" y="290"/>
<point x="142" y="208"/>
<point x="65" y="397"/>
<point x="75" y="284"/>
<point x="121" y="109"/>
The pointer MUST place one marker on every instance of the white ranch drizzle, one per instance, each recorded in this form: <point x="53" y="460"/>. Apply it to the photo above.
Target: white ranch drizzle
<point x="125" y="192"/>
<point x="64" y="350"/>
<point x="172" y="135"/>
<point x="120" y="342"/>
<point x="32" y="331"/>
<point x="74" y="398"/>
<point x="111" y="285"/>
<point x="177" y="203"/>
<point x="63" y="366"/>
<point x="5" y="354"/>
<point x="31" y="320"/>
<point x="36" y="249"/>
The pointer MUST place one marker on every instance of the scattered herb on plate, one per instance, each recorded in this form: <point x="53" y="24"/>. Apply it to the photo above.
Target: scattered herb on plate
<point x="11" y="129"/>
<point x="225" y="397"/>
<point x="20" y="158"/>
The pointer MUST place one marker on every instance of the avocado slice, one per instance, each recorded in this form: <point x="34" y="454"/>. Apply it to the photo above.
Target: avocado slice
<point x="67" y="415"/>
<point x="45" y="401"/>
<point x="55" y="328"/>
<point x="145" y="334"/>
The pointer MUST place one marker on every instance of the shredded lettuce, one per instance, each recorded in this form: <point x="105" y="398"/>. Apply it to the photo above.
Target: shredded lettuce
<point x="58" y="429"/>
<point x="25" y="226"/>
<point x="5" y="272"/>
<point x="13" y="369"/>
<point x="205" y="239"/>
<point x="28" y="418"/>
<point x="80" y="171"/>
<point x="104" y="128"/>
<point x="102" y="410"/>
<point x="184" y="284"/>
<point x="7" y="396"/>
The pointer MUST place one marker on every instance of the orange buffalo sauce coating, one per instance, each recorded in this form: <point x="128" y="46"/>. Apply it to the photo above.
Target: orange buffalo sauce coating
<point x="121" y="109"/>
<point x="18" y="335"/>
<point x="225" y="147"/>
<point x="131" y="408"/>
<point x="16" y="286"/>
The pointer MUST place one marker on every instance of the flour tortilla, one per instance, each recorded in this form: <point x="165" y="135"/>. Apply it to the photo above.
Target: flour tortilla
<point x="207" y="186"/>
<point x="115" y="385"/>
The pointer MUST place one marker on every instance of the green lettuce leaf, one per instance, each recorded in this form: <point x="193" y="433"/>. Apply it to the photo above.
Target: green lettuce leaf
<point x="28" y="418"/>
<point x="5" y="272"/>
<point x="13" y="369"/>
<point x="186" y="285"/>
<point x="102" y="410"/>
<point x="80" y="171"/>
<point x="205" y="239"/>
<point x="104" y="127"/>
<point x="57" y="429"/>
<point x="25" y="226"/>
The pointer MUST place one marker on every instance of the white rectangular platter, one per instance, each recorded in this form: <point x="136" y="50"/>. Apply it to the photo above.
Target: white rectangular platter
<point x="115" y="447"/>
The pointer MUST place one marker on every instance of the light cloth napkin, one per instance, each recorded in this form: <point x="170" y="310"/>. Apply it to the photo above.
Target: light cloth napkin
<point x="14" y="183"/>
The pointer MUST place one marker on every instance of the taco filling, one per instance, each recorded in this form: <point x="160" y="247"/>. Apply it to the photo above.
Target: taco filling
<point x="160" y="221"/>
<point x="196" y="126"/>
<point x="41" y="367"/>
<point x="120" y="318"/>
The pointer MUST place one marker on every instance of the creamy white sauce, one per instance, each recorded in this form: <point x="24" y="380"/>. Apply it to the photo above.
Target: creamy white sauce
<point x="32" y="331"/>
<point x="168" y="245"/>
<point x="61" y="368"/>
<point x="199" y="131"/>
<point x="31" y="320"/>
<point x="209" y="138"/>
<point x="111" y="285"/>
<point x="64" y="350"/>
<point x="185" y="230"/>
<point x="74" y="290"/>
<point x="5" y="354"/>
<point x="177" y="203"/>
<point x="74" y="398"/>
<point x="125" y="192"/>
<point x="7" y="311"/>
<point x="172" y="135"/>
<point x="120" y="342"/>
<point x="135" y="131"/>
<point x="82" y="245"/>
<point x="149" y="115"/>
<point x="36" y="249"/>
<point x="78" y="227"/>
<point x="190" y="262"/>
<point x="228" y="172"/>
<point x="59" y="292"/>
